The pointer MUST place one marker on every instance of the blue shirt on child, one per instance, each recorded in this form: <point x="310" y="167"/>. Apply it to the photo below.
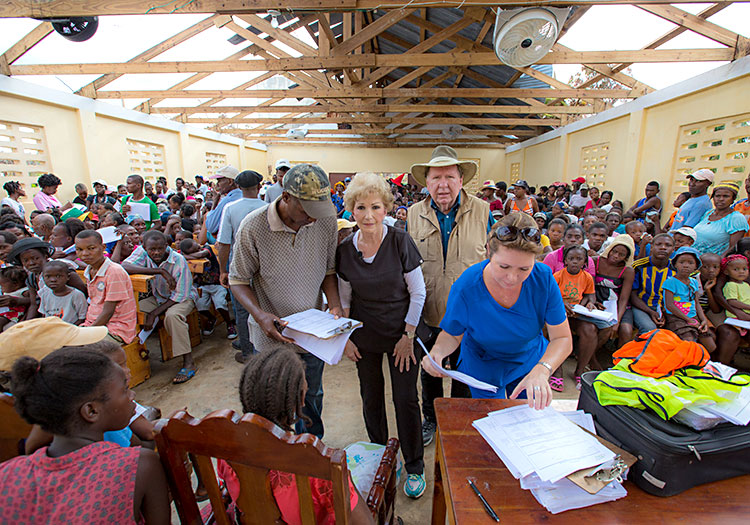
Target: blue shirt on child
<point x="683" y="295"/>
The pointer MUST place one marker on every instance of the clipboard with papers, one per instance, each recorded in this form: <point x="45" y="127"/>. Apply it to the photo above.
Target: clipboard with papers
<point x="320" y="333"/>
<point x="321" y="324"/>
<point x="557" y="456"/>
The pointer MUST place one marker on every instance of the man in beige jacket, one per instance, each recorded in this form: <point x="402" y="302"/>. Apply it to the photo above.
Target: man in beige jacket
<point x="450" y="230"/>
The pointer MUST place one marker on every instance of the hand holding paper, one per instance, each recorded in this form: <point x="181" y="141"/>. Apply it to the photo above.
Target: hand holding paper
<point x="458" y="376"/>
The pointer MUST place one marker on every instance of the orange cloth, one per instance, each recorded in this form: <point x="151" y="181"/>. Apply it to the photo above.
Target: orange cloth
<point x="574" y="287"/>
<point x="670" y="222"/>
<point x="659" y="353"/>
<point x="743" y="207"/>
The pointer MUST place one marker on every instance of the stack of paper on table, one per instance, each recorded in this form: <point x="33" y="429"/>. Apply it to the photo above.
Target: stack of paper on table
<point x="542" y="447"/>
<point x="320" y="334"/>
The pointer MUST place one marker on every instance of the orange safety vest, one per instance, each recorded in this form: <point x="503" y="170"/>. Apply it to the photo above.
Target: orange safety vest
<point x="659" y="353"/>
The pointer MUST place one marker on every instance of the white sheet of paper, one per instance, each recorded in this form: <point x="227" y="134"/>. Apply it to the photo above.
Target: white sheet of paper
<point x="580" y="418"/>
<point x="553" y="445"/>
<point x="329" y="350"/>
<point x="737" y="323"/>
<point x="143" y="335"/>
<point x="318" y="323"/>
<point x="463" y="378"/>
<point x="459" y="376"/>
<point x="736" y="411"/>
<point x="719" y="370"/>
<point x="566" y="495"/>
<point x="604" y="315"/>
<point x="109" y="234"/>
<point x="140" y="208"/>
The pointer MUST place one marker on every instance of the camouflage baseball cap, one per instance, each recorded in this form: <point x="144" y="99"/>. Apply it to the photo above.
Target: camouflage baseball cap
<point x="311" y="186"/>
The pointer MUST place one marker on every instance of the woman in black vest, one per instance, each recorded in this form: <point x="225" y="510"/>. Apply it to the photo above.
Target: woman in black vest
<point x="381" y="283"/>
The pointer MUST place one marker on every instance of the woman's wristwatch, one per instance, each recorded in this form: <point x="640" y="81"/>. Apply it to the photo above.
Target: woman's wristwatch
<point x="410" y="335"/>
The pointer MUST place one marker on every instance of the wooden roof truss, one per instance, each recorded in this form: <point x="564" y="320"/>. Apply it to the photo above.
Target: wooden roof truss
<point x="378" y="87"/>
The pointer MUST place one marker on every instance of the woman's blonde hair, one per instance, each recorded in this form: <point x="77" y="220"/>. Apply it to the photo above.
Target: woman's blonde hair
<point x="518" y="220"/>
<point x="365" y="183"/>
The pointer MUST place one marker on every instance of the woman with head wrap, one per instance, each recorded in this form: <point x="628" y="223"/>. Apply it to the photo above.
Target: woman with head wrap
<point x="721" y="227"/>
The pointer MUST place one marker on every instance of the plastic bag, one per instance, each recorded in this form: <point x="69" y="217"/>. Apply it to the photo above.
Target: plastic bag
<point x="362" y="460"/>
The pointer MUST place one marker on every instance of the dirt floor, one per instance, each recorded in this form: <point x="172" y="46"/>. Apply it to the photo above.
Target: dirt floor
<point x="215" y="387"/>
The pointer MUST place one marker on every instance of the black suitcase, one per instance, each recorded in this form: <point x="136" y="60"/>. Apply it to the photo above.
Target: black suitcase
<point x="671" y="457"/>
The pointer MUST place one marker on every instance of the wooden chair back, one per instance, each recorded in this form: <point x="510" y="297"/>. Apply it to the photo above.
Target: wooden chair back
<point x="13" y="430"/>
<point x="252" y="446"/>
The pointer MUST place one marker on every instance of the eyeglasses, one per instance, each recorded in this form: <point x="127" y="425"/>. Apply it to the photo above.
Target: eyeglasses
<point x="511" y="233"/>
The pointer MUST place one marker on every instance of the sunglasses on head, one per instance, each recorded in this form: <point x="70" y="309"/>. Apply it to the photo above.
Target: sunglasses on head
<point x="511" y="233"/>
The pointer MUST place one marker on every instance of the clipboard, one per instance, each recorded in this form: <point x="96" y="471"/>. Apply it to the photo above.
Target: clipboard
<point x="320" y="324"/>
<point x="594" y="479"/>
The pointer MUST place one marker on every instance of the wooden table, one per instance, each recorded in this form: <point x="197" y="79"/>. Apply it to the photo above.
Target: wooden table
<point x="197" y="265"/>
<point x="461" y="452"/>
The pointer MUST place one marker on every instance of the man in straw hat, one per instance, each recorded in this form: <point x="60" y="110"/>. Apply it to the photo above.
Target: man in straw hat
<point x="450" y="229"/>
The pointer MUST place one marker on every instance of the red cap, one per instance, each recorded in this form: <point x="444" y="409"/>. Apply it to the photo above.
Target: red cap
<point x="580" y="179"/>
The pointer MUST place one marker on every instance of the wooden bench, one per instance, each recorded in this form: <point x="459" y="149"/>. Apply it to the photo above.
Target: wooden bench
<point x="13" y="430"/>
<point x="197" y="265"/>
<point x="165" y="340"/>
<point x="136" y="357"/>
<point x="135" y="353"/>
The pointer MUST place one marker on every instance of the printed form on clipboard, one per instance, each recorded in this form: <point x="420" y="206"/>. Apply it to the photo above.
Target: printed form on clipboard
<point x="320" y="333"/>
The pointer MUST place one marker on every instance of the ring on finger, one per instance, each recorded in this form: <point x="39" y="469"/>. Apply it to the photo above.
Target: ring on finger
<point x="537" y="388"/>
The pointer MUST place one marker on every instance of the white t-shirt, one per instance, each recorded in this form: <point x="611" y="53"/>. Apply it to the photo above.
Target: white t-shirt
<point x="579" y="202"/>
<point x="17" y="206"/>
<point x="71" y="308"/>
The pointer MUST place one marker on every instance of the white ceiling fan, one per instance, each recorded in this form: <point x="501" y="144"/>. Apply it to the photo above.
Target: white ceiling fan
<point x="525" y="35"/>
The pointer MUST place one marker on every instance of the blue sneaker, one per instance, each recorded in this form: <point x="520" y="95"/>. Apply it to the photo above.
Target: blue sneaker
<point x="415" y="485"/>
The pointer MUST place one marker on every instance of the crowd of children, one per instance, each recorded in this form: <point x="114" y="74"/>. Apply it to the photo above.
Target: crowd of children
<point x="604" y="259"/>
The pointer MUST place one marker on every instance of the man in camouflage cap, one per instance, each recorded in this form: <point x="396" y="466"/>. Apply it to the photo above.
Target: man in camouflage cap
<point x="284" y="255"/>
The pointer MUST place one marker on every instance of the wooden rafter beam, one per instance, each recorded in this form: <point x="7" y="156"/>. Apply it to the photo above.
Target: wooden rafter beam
<point x="255" y="132"/>
<point x="282" y="35"/>
<point x="391" y="61"/>
<point x="68" y="8"/>
<point x="381" y="108"/>
<point x="271" y="54"/>
<point x="150" y="53"/>
<point x="385" y="92"/>
<point x="694" y="23"/>
<point x="379" y="120"/>
<point x="395" y="140"/>
<point x="18" y="49"/>
<point x="420" y="49"/>
<point x="370" y="31"/>
<point x="669" y="35"/>
<point x="326" y="38"/>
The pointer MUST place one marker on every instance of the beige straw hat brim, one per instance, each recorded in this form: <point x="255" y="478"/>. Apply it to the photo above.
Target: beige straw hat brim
<point x="468" y="168"/>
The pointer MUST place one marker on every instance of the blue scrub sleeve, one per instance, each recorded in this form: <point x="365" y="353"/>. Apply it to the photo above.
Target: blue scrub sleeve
<point x="456" y="318"/>
<point x="555" y="314"/>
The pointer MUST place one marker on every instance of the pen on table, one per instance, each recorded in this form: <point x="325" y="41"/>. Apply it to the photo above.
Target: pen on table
<point x="484" y="501"/>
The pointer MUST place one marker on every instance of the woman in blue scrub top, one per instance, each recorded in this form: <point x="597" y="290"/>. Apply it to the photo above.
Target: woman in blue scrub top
<point x="497" y="310"/>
